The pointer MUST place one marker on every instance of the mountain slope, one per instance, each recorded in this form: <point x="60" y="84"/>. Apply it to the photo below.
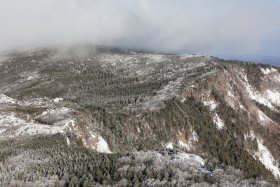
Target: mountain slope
<point x="115" y="101"/>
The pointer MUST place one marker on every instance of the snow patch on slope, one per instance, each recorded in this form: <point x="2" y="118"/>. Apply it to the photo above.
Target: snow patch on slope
<point x="185" y="145"/>
<point x="263" y="118"/>
<point x="277" y="78"/>
<point x="268" y="70"/>
<point x="169" y="145"/>
<point x="13" y="126"/>
<point x="233" y="101"/>
<point x="216" y="119"/>
<point x="35" y="129"/>
<point x="273" y="97"/>
<point x="57" y="100"/>
<point x="231" y="97"/>
<point x="51" y="121"/>
<point x="92" y="140"/>
<point x="6" y="100"/>
<point x="67" y="141"/>
<point x="251" y="135"/>
<point x="167" y="92"/>
<point x="191" y="158"/>
<point x="56" y="116"/>
<point x="102" y="146"/>
<point x="268" y="98"/>
<point x="58" y="111"/>
<point x="195" y="161"/>
<point x="211" y="104"/>
<point x="264" y="155"/>
<point x="189" y="144"/>
<point x="266" y="158"/>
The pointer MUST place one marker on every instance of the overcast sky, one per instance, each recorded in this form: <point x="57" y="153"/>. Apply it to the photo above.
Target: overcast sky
<point x="226" y="27"/>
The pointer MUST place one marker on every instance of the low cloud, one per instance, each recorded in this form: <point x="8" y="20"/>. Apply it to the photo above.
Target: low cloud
<point x="182" y="26"/>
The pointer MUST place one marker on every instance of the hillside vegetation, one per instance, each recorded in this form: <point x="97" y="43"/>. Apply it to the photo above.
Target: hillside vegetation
<point x="100" y="116"/>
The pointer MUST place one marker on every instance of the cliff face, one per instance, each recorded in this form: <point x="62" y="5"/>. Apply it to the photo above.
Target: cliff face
<point x="243" y="100"/>
<point x="114" y="101"/>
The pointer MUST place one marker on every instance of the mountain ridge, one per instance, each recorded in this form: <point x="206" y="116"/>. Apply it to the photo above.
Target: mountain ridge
<point x="112" y="101"/>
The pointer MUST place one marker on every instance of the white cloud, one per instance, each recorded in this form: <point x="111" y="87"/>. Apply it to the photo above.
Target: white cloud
<point x="198" y="26"/>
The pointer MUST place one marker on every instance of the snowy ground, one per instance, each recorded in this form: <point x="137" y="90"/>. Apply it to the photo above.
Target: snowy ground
<point x="269" y="98"/>
<point x="266" y="158"/>
<point x="216" y="119"/>
<point x="55" y="119"/>
<point x="268" y="70"/>
<point x="264" y="155"/>
<point x="6" y="100"/>
<point x="12" y="126"/>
